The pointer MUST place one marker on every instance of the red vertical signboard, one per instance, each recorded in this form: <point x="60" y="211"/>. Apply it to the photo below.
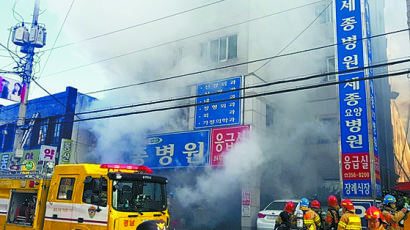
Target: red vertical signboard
<point x="223" y="139"/>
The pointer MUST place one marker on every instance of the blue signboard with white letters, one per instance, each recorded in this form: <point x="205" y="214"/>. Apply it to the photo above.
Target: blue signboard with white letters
<point x="185" y="149"/>
<point x="372" y="101"/>
<point x="352" y="96"/>
<point x="220" y="113"/>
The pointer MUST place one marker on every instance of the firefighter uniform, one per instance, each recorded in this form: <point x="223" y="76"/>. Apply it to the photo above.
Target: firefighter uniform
<point x="392" y="217"/>
<point x="310" y="218"/>
<point x="332" y="215"/>
<point x="286" y="219"/>
<point x="349" y="220"/>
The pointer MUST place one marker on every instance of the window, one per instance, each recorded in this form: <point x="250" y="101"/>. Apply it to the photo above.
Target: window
<point x="327" y="15"/>
<point x="57" y="129"/>
<point x="7" y="137"/>
<point x="65" y="190"/>
<point x="139" y="196"/>
<point x="221" y="49"/>
<point x="269" y="115"/>
<point x="42" y="134"/>
<point x="95" y="191"/>
<point x="330" y="68"/>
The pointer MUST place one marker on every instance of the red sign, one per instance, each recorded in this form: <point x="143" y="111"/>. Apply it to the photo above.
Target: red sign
<point x="377" y="167"/>
<point x="246" y="198"/>
<point x="223" y="139"/>
<point x="356" y="166"/>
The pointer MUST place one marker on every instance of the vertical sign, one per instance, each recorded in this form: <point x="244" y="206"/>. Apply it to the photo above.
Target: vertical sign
<point x="220" y="113"/>
<point x="177" y="150"/>
<point x="65" y="151"/>
<point x="246" y="203"/>
<point x="352" y="96"/>
<point x="47" y="153"/>
<point x="223" y="139"/>
<point x="372" y="102"/>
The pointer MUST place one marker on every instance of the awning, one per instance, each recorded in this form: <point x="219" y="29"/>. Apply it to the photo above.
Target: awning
<point x="402" y="187"/>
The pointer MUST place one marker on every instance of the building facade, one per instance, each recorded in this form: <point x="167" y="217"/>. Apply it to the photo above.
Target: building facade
<point x="52" y="125"/>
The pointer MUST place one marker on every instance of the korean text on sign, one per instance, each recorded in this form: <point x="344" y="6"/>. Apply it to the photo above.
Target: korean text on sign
<point x="177" y="150"/>
<point x="218" y="113"/>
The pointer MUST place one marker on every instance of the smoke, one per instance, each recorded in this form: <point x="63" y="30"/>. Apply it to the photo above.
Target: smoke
<point x="279" y="159"/>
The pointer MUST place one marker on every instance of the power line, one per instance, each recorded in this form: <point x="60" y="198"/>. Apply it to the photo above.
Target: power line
<point x="312" y="86"/>
<point x="244" y="97"/>
<point x="133" y="26"/>
<point x="58" y="35"/>
<point x="177" y="40"/>
<point x="249" y="87"/>
<point x="9" y="50"/>
<point x="293" y="40"/>
<point x="237" y="64"/>
<point x="51" y="95"/>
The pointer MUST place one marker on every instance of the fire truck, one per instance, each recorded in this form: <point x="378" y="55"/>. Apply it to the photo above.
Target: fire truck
<point x="82" y="196"/>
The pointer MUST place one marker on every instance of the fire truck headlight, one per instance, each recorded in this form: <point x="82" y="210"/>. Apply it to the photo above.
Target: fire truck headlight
<point x="118" y="176"/>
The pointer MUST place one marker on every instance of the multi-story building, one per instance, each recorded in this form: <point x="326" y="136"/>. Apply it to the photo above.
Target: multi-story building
<point x="54" y="116"/>
<point x="303" y="125"/>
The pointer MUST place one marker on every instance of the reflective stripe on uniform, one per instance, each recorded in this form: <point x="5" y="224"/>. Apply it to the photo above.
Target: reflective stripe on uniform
<point x="308" y="222"/>
<point x="353" y="227"/>
<point x="342" y="224"/>
<point x="354" y="219"/>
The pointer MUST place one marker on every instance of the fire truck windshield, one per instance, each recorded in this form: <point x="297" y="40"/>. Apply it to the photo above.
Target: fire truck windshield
<point x="139" y="196"/>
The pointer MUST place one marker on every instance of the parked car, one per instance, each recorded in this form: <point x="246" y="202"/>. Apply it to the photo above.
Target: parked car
<point x="267" y="217"/>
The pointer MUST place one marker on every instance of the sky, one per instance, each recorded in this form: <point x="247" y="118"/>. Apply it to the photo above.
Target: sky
<point x="72" y="65"/>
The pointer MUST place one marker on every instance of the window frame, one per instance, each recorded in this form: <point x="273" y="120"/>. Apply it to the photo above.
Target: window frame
<point x="72" y="189"/>
<point x="221" y="49"/>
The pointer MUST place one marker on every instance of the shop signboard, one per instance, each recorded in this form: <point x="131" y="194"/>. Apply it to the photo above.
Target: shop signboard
<point x="185" y="149"/>
<point x="222" y="113"/>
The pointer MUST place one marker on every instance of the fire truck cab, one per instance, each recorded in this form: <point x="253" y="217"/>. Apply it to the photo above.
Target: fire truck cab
<point x="83" y="196"/>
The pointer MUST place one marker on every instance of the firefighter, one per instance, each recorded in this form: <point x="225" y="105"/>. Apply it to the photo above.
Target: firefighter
<point x="390" y="213"/>
<point x="332" y="215"/>
<point x="349" y="220"/>
<point x="311" y="220"/>
<point x="315" y="206"/>
<point x="374" y="219"/>
<point x="286" y="219"/>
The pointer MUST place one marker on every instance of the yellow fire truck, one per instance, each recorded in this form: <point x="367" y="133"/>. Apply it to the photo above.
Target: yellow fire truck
<point x="83" y="196"/>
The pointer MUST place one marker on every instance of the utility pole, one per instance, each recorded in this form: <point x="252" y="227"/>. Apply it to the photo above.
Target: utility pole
<point x="28" y="42"/>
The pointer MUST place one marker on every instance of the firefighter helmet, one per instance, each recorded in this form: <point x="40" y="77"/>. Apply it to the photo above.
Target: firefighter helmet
<point x="373" y="213"/>
<point x="289" y="207"/>
<point x="332" y="200"/>
<point x="304" y="202"/>
<point x="315" y="204"/>
<point x="348" y="204"/>
<point x="388" y="199"/>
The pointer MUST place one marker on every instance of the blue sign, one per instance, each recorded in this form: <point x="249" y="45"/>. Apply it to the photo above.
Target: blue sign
<point x="357" y="188"/>
<point x="220" y="113"/>
<point x="372" y="102"/>
<point x="352" y="96"/>
<point x="360" y="209"/>
<point x="177" y="150"/>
